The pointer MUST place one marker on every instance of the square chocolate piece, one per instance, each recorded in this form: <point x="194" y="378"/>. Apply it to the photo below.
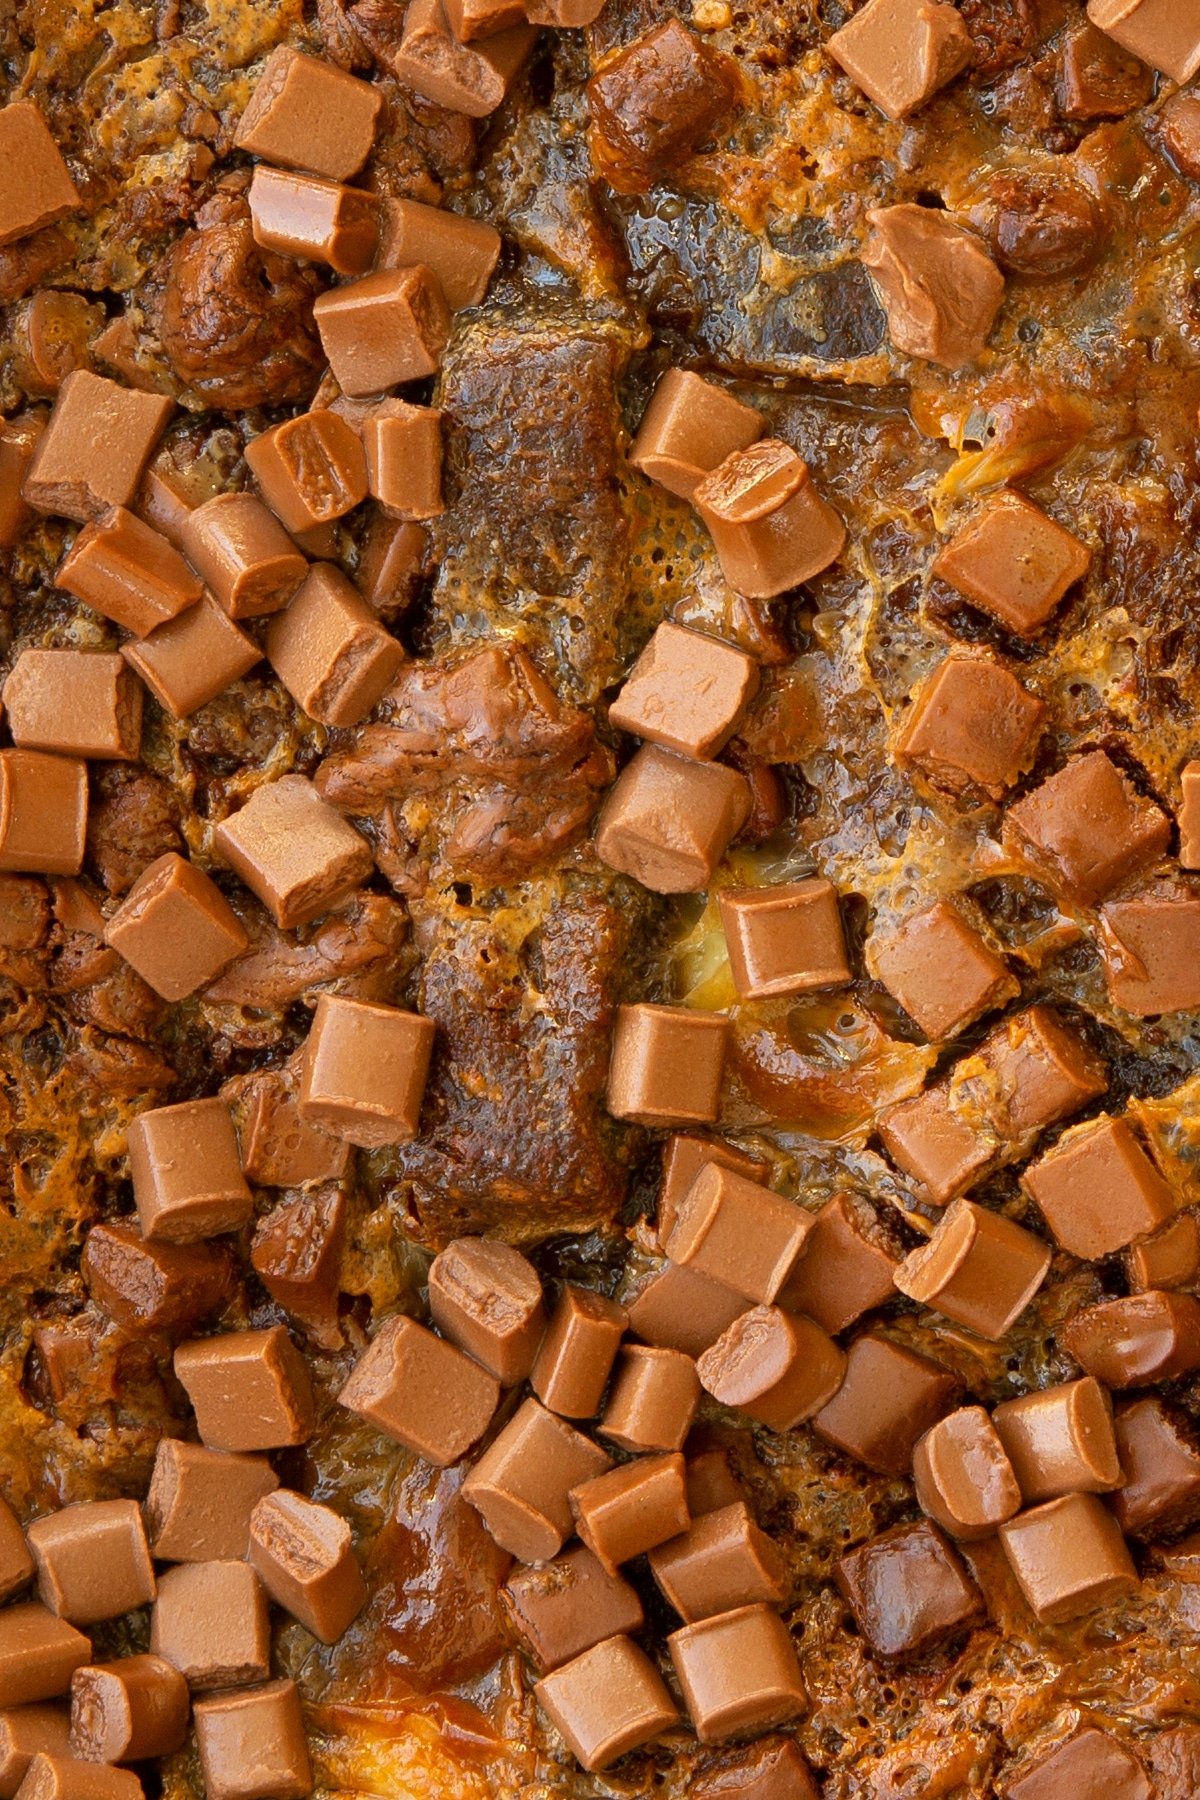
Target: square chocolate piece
<point x="294" y="851"/>
<point x="329" y="650"/>
<point x="1069" y="1557"/>
<point x="900" y="52"/>
<point x="307" y="114"/>
<point x="568" y="1605"/>
<point x="16" y="1564"/>
<point x="940" y="970"/>
<point x="250" y="1390"/>
<point x="1090" y="1763"/>
<point x="1097" y="1189"/>
<point x="187" y="1177"/>
<point x="192" y="658"/>
<point x="1151" y="949"/>
<point x="972" y="725"/>
<point x="43" y="813"/>
<point x="487" y="1298"/>
<point x="683" y="1159"/>
<point x="1014" y="562"/>
<point x="890" y="1397"/>
<point x="93" y="1562"/>
<point x="210" y="1622"/>
<point x="686" y="691"/>
<point x="98" y="442"/>
<point x="521" y="1483"/>
<point x="364" y="1071"/>
<point x="908" y="1590"/>
<point x="1085" y="829"/>
<point x="461" y="252"/>
<point x="940" y="1151"/>
<point x="76" y="702"/>
<point x="39" y="1653"/>
<point x="310" y="469"/>
<point x="199" y="1502"/>
<point x="738" y="1673"/>
<point x="771" y="527"/>
<point x="844" y="1268"/>
<point x="253" y="1745"/>
<point x="668" y="820"/>
<point x="784" y="940"/>
<point x="176" y="928"/>
<point x="688" y="429"/>
<point x="421" y="1391"/>
<point x="667" y="1065"/>
<point x="386" y="329"/>
<point x="607" y="1701"/>
<point x="39" y="188"/>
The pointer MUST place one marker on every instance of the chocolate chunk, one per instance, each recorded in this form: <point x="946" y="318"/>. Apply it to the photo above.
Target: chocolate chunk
<point x="310" y="469"/>
<point x="304" y="1556"/>
<point x="1097" y="79"/>
<point x="192" y="658"/>
<point x="667" y="1065"/>
<point x="688" y="429"/>
<point x="1137" y="1340"/>
<point x="487" y="1297"/>
<point x="683" y="1159"/>
<point x="43" y="813"/>
<point x="403" y="446"/>
<point x="364" y="1070"/>
<point x="297" y="1255"/>
<point x="1085" y="829"/>
<point x="940" y="970"/>
<point x="686" y="691"/>
<point x="39" y="1653"/>
<point x="568" y="1606"/>
<point x="16" y="1564"/>
<point x="92" y="1561"/>
<point x="244" y="555"/>
<point x="199" y="1502"/>
<point x="422" y="1392"/>
<point x="681" y="1310"/>
<point x="18" y="441"/>
<point x="45" y="191"/>
<point x="1170" y="1258"/>
<point x="329" y="650"/>
<point x="25" y="1732"/>
<point x="654" y="102"/>
<point x="972" y="724"/>
<point x="771" y="527"/>
<point x="153" y="1286"/>
<point x="738" y="1673"/>
<point x="391" y="556"/>
<point x="293" y="850"/>
<point x="1069" y="1557"/>
<point x="521" y="1483"/>
<point x="1151" y="949"/>
<point x="1160" y="1457"/>
<point x="738" y="1232"/>
<point x="908" y="1590"/>
<point x="627" y="1511"/>
<point x="1159" y="32"/>
<point x="1038" y="1071"/>
<point x="571" y="1369"/>
<point x="91" y="456"/>
<point x="385" y="329"/>
<point x="1097" y="1189"/>
<point x="210" y="1622"/>
<point x="51" y="1777"/>
<point x="1179" y="124"/>
<point x="771" y="1769"/>
<point x="963" y="1477"/>
<point x="890" y="1397"/>
<point x="941" y="1150"/>
<point x="979" y="1269"/>
<point x="1060" y="1440"/>
<point x="78" y="702"/>
<point x="128" y="573"/>
<point x="278" y="1147"/>
<point x="470" y="19"/>
<point x="777" y="1368"/>
<point x="1090" y="1766"/>
<point x="844" y="1268"/>
<point x="607" y="1701"/>
<point x="464" y="78"/>
<point x="786" y="939"/>
<point x="461" y="252"/>
<point x="187" y="1179"/>
<point x="176" y="928"/>
<point x="250" y="1390"/>
<point x="1014" y="562"/>
<point x="940" y="289"/>
<point x="653" y="1399"/>
<point x="128" y="1711"/>
<point x="307" y="114"/>
<point x="321" y="221"/>
<point x="253" y="1744"/>
<point x="722" y="1561"/>
<point x="668" y="820"/>
<point x="900" y="52"/>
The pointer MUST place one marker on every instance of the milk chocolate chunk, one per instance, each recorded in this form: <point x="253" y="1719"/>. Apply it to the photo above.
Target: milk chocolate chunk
<point x="738" y="1232"/>
<point x="176" y="928"/>
<point x="568" y="1606"/>
<point x="487" y="1298"/>
<point x="250" y="1390"/>
<point x="45" y="191"/>
<point x="307" y="114"/>
<point x="1169" y="1258"/>
<point x="979" y="1269"/>
<point x="738" y="1672"/>
<point x="329" y="650"/>
<point x="1151" y="945"/>
<point x="1138" y="1340"/>
<point x="941" y="970"/>
<point x="210" y="1623"/>
<point x="422" y="1392"/>
<point x="462" y="252"/>
<point x="627" y="1511"/>
<point x="668" y="820"/>
<point x="940" y="289"/>
<point x="364" y="1070"/>
<point x="199" y="1502"/>
<point x="772" y="529"/>
<point x="521" y="1483"/>
<point x="16" y="1564"/>
<point x="972" y="724"/>
<point x="889" y="1398"/>
<point x="776" y="1367"/>
<point x="391" y="556"/>
<point x="654" y="102"/>
<point x="77" y="702"/>
<point x="770" y="1769"/>
<point x="192" y="658"/>
<point x="941" y="1150"/>
<point x="153" y="1286"/>
<point x="845" y="1266"/>
<point x="1040" y="1072"/>
<point x="244" y="554"/>
<point x="682" y="1310"/>
<point x="464" y="78"/>
<point x="1085" y="829"/>
<point x="297" y="1255"/>
<point x="784" y="940"/>
<point x="653" y="1399"/>
<point x="1060" y="1440"/>
<point x="387" y="328"/>
<point x="39" y="1653"/>
<point x="321" y="221"/>
<point x="403" y="446"/>
<point x="310" y="469"/>
<point x="51" y="1777"/>
<point x="1097" y="1189"/>
<point x="304" y="1556"/>
<point x="688" y="429"/>
<point x="43" y="813"/>
<point x="187" y="1179"/>
<point x="25" y="1732"/>
<point x="127" y="1711"/>
<point x="607" y="1701"/>
<point x="1188" y="817"/>
<point x="253" y="1745"/>
<point x="908" y="1590"/>
<point x="1090" y="1766"/>
<point x="667" y="1065"/>
<point x="683" y="1159"/>
<point x="1160" y="1456"/>
<point x="1068" y="1556"/>
<point x="278" y="1147"/>
<point x="900" y="52"/>
<point x="1014" y="562"/>
<point x="571" y="1369"/>
<point x="128" y="573"/>
<point x="92" y="1561"/>
<point x="293" y="851"/>
<point x="18" y="441"/>
<point x="686" y="691"/>
<point x="91" y="456"/>
<point x="722" y="1561"/>
<point x="1159" y="32"/>
<point x="963" y="1477"/>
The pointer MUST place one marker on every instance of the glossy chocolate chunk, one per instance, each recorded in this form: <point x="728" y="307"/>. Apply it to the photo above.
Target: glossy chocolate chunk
<point x="303" y="1554"/>
<point x="210" y="1622"/>
<point x="571" y="1369"/>
<point x="979" y="1269"/>
<point x="607" y="1701"/>
<point x="900" y="52"/>
<point x="667" y="1065"/>
<point x="487" y="1297"/>
<point x="889" y="1398"/>
<point x="253" y="1744"/>
<point x="738" y="1672"/>
<point x="306" y="114"/>
<point x="908" y="1590"/>
<point x="667" y="820"/>
<point x="569" y="1605"/>
<point x="250" y="1390"/>
<point x="963" y="1477"/>
<point x="520" y="1485"/>
<point x="688" y="429"/>
<point x="626" y="1511"/>
<point x="128" y="1710"/>
<point x="199" y="1502"/>
<point x="1068" y="1556"/>
<point x="722" y="1561"/>
<point x="187" y="1175"/>
<point x="776" y="1367"/>
<point x="421" y="1391"/>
